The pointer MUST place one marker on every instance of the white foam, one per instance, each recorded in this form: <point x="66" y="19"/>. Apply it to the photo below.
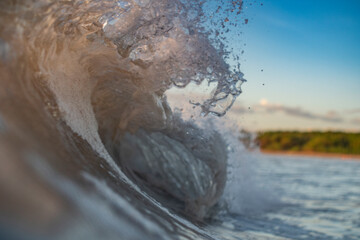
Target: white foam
<point x="245" y="192"/>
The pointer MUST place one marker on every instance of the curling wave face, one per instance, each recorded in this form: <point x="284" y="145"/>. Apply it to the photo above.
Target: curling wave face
<point x="85" y="81"/>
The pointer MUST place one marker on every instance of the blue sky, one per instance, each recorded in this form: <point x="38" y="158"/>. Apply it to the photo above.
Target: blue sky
<point x="309" y="52"/>
<point x="302" y="62"/>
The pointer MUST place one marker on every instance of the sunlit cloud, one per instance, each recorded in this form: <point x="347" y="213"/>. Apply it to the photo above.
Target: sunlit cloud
<point x="353" y="111"/>
<point x="330" y="116"/>
<point x="264" y="106"/>
<point x="356" y="121"/>
<point x="263" y="102"/>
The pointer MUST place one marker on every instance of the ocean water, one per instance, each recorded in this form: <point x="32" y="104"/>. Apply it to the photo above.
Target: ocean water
<point x="91" y="146"/>
<point x="294" y="197"/>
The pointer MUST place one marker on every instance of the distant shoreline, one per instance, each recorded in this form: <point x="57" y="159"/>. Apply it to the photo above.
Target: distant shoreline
<point x="341" y="145"/>
<point x="313" y="154"/>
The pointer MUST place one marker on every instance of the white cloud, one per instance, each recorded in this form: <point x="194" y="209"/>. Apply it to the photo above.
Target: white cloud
<point x="356" y="121"/>
<point x="263" y="102"/>
<point x="330" y="116"/>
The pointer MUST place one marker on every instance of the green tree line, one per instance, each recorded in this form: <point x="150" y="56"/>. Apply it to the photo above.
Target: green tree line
<point x="322" y="142"/>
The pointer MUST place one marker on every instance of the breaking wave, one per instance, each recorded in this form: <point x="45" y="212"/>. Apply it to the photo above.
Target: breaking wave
<point x="83" y="109"/>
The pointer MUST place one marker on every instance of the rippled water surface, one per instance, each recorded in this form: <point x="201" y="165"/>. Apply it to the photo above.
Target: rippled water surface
<point x="310" y="198"/>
